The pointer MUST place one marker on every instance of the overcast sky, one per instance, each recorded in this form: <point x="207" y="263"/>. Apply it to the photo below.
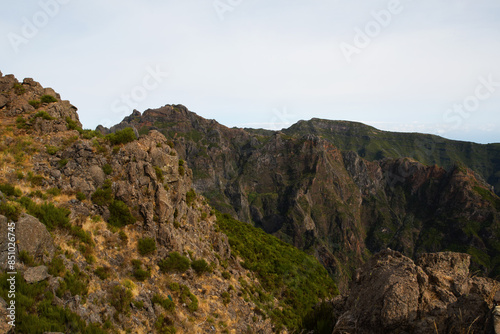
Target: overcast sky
<point x="425" y="66"/>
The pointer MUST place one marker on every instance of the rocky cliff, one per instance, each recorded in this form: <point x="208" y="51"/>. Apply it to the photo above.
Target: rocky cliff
<point x="435" y="294"/>
<point x="112" y="237"/>
<point x="299" y="185"/>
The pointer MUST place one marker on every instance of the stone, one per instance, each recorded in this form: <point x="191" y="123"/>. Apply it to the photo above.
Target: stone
<point x="31" y="236"/>
<point x="34" y="238"/>
<point x="392" y="294"/>
<point x="4" y="325"/>
<point x="97" y="175"/>
<point x="36" y="274"/>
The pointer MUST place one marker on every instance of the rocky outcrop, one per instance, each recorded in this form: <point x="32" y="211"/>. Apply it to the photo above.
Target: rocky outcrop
<point x="436" y="294"/>
<point x="24" y="99"/>
<point x="31" y="237"/>
<point x="36" y="274"/>
<point x="298" y="185"/>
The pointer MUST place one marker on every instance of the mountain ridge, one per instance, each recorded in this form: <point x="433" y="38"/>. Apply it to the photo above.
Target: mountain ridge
<point x="131" y="245"/>
<point x="113" y="238"/>
<point x="308" y="188"/>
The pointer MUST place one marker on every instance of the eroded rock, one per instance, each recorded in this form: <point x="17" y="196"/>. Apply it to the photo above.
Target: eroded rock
<point x="393" y="294"/>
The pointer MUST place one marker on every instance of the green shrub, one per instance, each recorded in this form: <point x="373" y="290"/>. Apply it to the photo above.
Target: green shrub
<point x="200" y="266"/>
<point x="120" y="214"/>
<point x="188" y="298"/>
<point x="103" y="272"/>
<point x="107" y="169"/>
<point x="47" y="99"/>
<point x="321" y="319"/>
<point x="21" y="123"/>
<point x="143" y="131"/>
<point x="120" y="298"/>
<point x="124" y="136"/>
<point x="56" y="266"/>
<point x="38" y="194"/>
<point x="11" y="211"/>
<point x="138" y="304"/>
<point x="9" y="190"/>
<point x="35" y="103"/>
<point x="190" y="197"/>
<point x="27" y="259"/>
<point x="19" y="89"/>
<point x="226" y="275"/>
<point x="52" y="150"/>
<point x="62" y="163"/>
<point x="165" y="325"/>
<point x="76" y="283"/>
<point x="104" y="195"/>
<point x="159" y="174"/>
<point x="44" y="115"/>
<point x="80" y="196"/>
<point x="166" y="303"/>
<point x="139" y="273"/>
<point x="50" y="215"/>
<point x="86" y="134"/>
<point x="81" y="234"/>
<point x="174" y="262"/>
<point x="35" y="180"/>
<point x="123" y="236"/>
<point x="226" y="297"/>
<point x="54" y="191"/>
<point x="146" y="246"/>
<point x="174" y="286"/>
<point x="73" y="125"/>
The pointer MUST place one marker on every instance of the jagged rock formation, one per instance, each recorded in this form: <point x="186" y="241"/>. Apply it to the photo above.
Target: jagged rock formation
<point x="111" y="212"/>
<point x="435" y="294"/>
<point x="299" y="186"/>
<point x="98" y="270"/>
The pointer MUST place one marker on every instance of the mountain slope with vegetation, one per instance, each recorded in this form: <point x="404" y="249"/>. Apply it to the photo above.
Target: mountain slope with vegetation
<point x="373" y="144"/>
<point x="297" y="184"/>
<point x="112" y="237"/>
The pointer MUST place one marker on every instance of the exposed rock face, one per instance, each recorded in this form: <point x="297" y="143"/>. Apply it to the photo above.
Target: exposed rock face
<point x="298" y="185"/>
<point x="31" y="236"/>
<point x="36" y="274"/>
<point x="5" y="327"/>
<point x="392" y="294"/>
<point x="15" y="98"/>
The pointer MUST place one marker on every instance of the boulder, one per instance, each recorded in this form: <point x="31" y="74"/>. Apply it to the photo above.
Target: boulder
<point x="36" y="274"/>
<point x="392" y="294"/>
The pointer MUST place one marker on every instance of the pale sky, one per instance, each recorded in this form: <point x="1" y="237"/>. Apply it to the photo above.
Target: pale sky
<point x="428" y="66"/>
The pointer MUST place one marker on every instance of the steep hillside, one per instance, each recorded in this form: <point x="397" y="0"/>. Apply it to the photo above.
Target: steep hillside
<point x="112" y="237"/>
<point x="434" y="294"/>
<point x="373" y="144"/>
<point x="333" y="203"/>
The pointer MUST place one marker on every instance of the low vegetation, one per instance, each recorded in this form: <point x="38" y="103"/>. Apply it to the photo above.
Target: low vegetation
<point x="124" y="136"/>
<point x="174" y="262"/>
<point x="298" y="280"/>
<point x="36" y="311"/>
<point x="146" y="246"/>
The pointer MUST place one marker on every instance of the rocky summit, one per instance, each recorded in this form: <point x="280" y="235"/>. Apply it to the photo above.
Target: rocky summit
<point x="171" y="223"/>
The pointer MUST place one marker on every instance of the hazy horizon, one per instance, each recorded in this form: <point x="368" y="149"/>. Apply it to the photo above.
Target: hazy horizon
<point x="407" y="66"/>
